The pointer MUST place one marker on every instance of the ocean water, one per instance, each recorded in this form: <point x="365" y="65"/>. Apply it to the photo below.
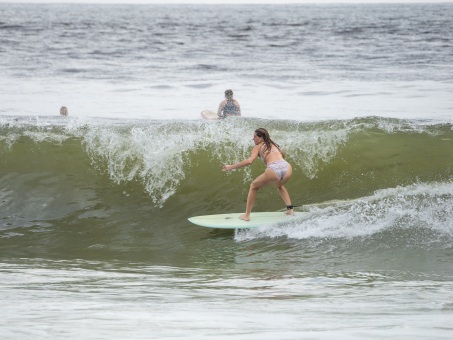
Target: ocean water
<point x="94" y="237"/>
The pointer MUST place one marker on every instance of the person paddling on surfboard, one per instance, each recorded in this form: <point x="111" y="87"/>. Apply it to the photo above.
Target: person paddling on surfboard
<point x="278" y="170"/>
<point x="229" y="106"/>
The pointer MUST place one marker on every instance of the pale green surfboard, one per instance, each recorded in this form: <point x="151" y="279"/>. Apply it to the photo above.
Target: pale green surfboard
<point x="232" y="221"/>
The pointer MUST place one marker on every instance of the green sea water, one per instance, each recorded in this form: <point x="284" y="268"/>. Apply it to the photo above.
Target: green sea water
<point x="93" y="221"/>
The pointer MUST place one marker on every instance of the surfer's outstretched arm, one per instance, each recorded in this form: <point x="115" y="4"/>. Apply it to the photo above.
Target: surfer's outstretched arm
<point x="245" y="162"/>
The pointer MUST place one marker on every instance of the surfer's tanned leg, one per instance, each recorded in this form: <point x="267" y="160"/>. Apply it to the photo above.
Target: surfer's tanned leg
<point x="250" y="202"/>
<point x="285" y="196"/>
<point x="268" y="177"/>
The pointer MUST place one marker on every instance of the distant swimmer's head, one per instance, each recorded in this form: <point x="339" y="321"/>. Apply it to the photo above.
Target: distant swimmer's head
<point x="63" y="111"/>
<point x="229" y="94"/>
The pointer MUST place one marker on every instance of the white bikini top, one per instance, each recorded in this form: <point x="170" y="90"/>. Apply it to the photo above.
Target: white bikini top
<point x="273" y="149"/>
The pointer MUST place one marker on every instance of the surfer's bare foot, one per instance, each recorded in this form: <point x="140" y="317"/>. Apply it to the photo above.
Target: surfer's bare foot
<point x="244" y="217"/>
<point x="290" y="212"/>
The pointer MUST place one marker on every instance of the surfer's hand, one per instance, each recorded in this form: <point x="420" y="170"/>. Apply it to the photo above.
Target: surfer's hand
<point x="226" y="167"/>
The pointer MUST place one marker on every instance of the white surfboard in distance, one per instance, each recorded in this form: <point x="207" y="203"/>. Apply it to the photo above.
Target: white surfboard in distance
<point x="209" y="115"/>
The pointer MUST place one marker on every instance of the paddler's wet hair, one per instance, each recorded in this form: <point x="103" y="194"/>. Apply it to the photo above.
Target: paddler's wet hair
<point x="263" y="133"/>
<point x="229" y="94"/>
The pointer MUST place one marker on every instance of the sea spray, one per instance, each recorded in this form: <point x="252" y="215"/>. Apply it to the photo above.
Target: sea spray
<point x="340" y="159"/>
<point x="389" y="211"/>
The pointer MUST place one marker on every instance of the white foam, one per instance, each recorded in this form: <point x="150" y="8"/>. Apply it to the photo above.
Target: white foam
<point x="425" y="205"/>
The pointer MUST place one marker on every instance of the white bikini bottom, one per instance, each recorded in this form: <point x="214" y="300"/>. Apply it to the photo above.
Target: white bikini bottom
<point x="279" y="167"/>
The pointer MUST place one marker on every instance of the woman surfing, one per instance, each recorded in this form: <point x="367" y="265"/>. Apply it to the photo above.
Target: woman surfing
<point x="278" y="170"/>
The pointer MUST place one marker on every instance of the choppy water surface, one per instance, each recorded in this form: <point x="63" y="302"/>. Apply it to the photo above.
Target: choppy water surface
<point x="94" y="237"/>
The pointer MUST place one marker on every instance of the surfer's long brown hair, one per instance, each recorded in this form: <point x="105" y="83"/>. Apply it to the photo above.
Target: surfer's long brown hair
<point x="268" y="142"/>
